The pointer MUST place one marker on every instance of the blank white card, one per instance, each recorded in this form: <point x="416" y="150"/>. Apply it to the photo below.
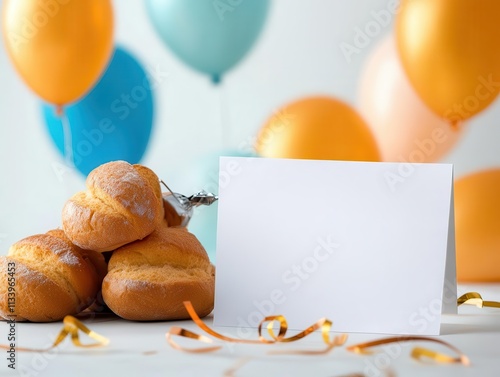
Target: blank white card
<point x="371" y="246"/>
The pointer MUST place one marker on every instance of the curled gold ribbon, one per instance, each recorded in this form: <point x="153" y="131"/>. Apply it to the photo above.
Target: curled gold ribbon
<point x="71" y="327"/>
<point x="474" y="298"/>
<point x="323" y="324"/>
<point x="418" y="353"/>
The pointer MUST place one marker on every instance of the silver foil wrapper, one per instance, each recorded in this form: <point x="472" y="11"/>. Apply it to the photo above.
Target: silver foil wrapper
<point x="179" y="208"/>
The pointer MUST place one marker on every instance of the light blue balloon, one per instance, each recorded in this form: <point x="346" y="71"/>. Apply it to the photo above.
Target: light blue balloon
<point x="211" y="36"/>
<point x="203" y="224"/>
<point x="113" y="121"/>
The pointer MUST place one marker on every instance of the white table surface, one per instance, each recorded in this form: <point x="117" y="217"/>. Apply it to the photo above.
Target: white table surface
<point x="141" y="349"/>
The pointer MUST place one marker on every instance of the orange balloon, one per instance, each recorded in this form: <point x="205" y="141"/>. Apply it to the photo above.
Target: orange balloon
<point x="477" y="227"/>
<point x="450" y="50"/>
<point x="405" y="128"/>
<point x="320" y="128"/>
<point x="59" y="47"/>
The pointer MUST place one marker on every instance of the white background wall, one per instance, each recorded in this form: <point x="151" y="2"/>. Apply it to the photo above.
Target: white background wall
<point x="297" y="55"/>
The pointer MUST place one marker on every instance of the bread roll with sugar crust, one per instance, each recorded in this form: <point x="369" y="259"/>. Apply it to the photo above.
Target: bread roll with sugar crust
<point x="122" y="203"/>
<point x="52" y="278"/>
<point x="148" y="280"/>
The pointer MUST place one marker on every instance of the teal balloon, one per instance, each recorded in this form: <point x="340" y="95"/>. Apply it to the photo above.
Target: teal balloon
<point x="113" y="121"/>
<point x="203" y="224"/>
<point x="211" y="36"/>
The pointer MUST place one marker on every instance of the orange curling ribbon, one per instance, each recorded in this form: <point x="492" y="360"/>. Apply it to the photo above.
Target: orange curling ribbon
<point x="71" y="327"/>
<point x="177" y="331"/>
<point x="417" y="353"/>
<point x="474" y="298"/>
<point x="323" y="324"/>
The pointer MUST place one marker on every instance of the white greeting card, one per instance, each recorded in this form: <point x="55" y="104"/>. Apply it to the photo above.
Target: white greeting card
<point x="370" y="246"/>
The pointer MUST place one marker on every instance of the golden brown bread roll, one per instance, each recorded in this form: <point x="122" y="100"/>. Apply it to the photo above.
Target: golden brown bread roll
<point x="148" y="280"/>
<point x="98" y="260"/>
<point x="123" y="203"/>
<point x="53" y="278"/>
<point x="95" y="258"/>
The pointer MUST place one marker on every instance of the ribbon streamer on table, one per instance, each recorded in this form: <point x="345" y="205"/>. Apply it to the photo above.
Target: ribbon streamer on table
<point x="71" y="326"/>
<point x="323" y="324"/>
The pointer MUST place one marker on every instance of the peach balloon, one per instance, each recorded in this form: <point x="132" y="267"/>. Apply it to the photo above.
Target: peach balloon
<point x="477" y="226"/>
<point x="406" y="130"/>
<point x="320" y="128"/>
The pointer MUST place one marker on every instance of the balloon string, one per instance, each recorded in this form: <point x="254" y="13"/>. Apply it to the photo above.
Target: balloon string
<point x="225" y="132"/>
<point x="68" y="147"/>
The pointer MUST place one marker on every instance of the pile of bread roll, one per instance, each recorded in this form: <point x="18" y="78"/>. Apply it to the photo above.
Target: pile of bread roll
<point x="152" y="267"/>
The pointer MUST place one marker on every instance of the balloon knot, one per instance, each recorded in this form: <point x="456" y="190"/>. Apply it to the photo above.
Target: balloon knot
<point x="59" y="110"/>
<point x="216" y="79"/>
<point x="456" y="125"/>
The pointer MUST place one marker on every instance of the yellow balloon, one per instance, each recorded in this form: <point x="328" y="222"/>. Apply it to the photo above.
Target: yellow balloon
<point x="320" y="128"/>
<point x="477" y="227"/>
<point x="59" y="47"/>
<point x="450" y="50"/>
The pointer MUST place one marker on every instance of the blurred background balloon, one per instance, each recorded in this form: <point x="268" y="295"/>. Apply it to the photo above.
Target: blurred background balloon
<point x="405" y="128"/>
<point x="321" y="128"/>
<point x="60" y="48"/>
<point x="204" y="221"/>
<point x="450" y="50"/>
<point x="113" y="122"/>
<point x="477" y="221"/>
<point x="211" y="36"/>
